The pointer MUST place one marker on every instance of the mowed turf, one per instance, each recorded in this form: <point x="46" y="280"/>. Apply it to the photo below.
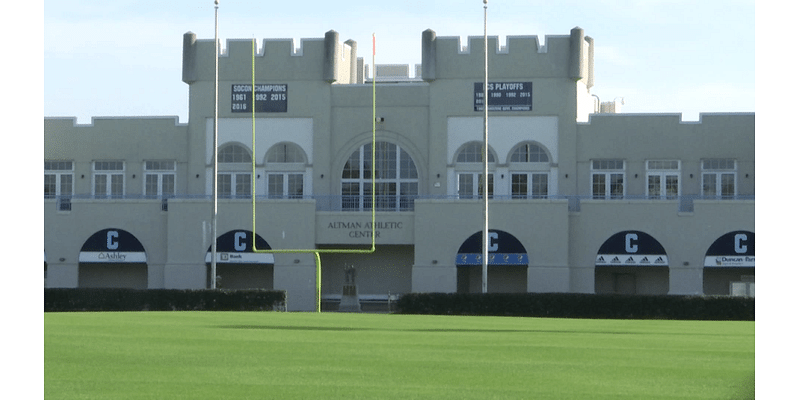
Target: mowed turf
<point x="261" y="355"/>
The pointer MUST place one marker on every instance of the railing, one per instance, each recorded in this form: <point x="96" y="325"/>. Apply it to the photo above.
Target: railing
<point x="347" y="203"/>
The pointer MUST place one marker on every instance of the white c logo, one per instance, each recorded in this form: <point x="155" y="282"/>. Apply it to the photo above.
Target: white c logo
<point x="738" y="246"/>
<point x="492" y="241"/>
<point x="630" y="246"/>
<point x="111" y="243"/>
<point x="238" y="241"/>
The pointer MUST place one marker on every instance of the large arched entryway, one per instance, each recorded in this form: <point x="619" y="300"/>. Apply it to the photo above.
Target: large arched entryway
<point x="507" y="265"/>
<point x="238" y="265"/>
<point x="112" y="258"/>
<point x="729" y="267"/>
<point x="631" y="262"/>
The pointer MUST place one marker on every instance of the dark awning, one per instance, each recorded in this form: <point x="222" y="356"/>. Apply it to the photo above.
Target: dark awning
<point x="112" y="245"/>
<point x="733" y="249"/>
<point x="236" y="247"/>
<point x="631" y="248"/>
<point x="504" y="249"/>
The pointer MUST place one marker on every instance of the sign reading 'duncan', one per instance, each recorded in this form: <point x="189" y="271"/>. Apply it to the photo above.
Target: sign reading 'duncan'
<point x="269" y="97"/>
<point x="505" y="96"/>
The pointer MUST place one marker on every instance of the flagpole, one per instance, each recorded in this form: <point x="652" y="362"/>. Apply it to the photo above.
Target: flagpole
<point x="485" y="255"/>
<point x="216" y="144"/>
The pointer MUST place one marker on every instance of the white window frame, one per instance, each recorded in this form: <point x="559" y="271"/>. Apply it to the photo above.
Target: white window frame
<point x="663" y="170"/>
<point x="160" y="170"/>
<point x="609" y="170"/>
<point x="109" y="170"/>
<point x="534" y="164"/>
<point x="239" y="186"/>
<point x="60" y="171"/>
<point x="718" y="169"/>
<point x="288" y="189"/>
<point x="469" y="171"/>
<point x="530" y="185"/>
<point x="470" y="185"/>
<point x="235" y="165"/>
<point x="394" y="193"/>
<point x="286" y="161"/>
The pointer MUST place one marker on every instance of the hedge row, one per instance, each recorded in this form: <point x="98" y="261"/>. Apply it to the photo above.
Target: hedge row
<point x="162" y="300"/>
<point x="575" y="305"/>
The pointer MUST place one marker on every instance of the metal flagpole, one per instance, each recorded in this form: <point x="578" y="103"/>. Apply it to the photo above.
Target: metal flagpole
<point x="216" y="144"/>
<point x="485" y="255"/>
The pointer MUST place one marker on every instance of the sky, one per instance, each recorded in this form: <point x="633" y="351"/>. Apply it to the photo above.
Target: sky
<point x="123" y="57"/>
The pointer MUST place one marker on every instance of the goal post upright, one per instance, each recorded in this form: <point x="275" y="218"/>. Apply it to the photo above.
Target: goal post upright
<point x="315" y="252"/>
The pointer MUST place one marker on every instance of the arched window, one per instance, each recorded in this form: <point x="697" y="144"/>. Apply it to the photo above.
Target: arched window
<point x="233" y="153"/>
<point x="234" y="178"/>
<point x="285" y="170"/>
<point x="529" y="152"/>
<point x="469" y="171"/>
<point x="286" y="153"/>
<point x="529" y="166"/>
<point x="396" y="179"/>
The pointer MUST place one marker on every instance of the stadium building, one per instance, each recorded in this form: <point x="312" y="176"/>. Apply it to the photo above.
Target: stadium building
<point x="582" y="198"/>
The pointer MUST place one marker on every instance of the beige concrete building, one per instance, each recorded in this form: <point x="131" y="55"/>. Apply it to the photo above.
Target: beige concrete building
<point x="580" y="201"/>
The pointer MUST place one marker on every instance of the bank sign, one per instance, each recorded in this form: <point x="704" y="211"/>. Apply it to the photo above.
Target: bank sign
<point x="269" y="97"/>
<point x="505" y="96"/>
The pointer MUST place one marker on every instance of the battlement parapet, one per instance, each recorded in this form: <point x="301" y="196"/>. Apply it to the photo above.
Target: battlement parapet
<point x="722" y="122"/>
<point x="276" y="59"/>
<point x="559" y="56"/>
<point x="171" y="121"/>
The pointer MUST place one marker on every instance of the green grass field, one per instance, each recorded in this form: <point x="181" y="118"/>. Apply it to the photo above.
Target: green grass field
<point x="258" y="355"/>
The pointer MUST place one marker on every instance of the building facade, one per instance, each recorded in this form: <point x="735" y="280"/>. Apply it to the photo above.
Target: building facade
<point x="580" y="201"/>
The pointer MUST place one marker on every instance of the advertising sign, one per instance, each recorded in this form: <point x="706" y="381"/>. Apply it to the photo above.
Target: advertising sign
<point x="631" y="248"/>
<point x="734" y="249"/>
<point x="504" y="249"/>
<point x="236" y="247"/>
<point x="112" y="246"/>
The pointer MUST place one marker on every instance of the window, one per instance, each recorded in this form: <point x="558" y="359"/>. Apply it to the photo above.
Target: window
<point x="608" y="179"/>
<point x="286" y="163"/>
<point x="396" y="181"/>
<point x="234" y="181"/>
<point x="233" y="153"/>
<point x="286" y="153"/>
<point x="719" y="178"/>
<point x="469" y="170"/>
<point x="528" y="185"/>
<point x="530" y="168"/>
<point x="529" y="153"/>
<point x="663" y="179"/>
<point x="285" y="185"/>
<point x="470" y="185"/>
<point x="57" y="179"/>
<point x="159" y="179"/>
<point x="233" y="185"/>
<point x="108" y="179"/>
<point x="58" y="183"/>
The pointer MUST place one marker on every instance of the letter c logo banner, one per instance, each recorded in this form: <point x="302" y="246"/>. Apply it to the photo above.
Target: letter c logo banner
<point x="630" y="245"/>
<point x="738" y="246"/>
<point x="111" y="240"/>
<point x="493" y="241"/>
<point x="239" y="243"/>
